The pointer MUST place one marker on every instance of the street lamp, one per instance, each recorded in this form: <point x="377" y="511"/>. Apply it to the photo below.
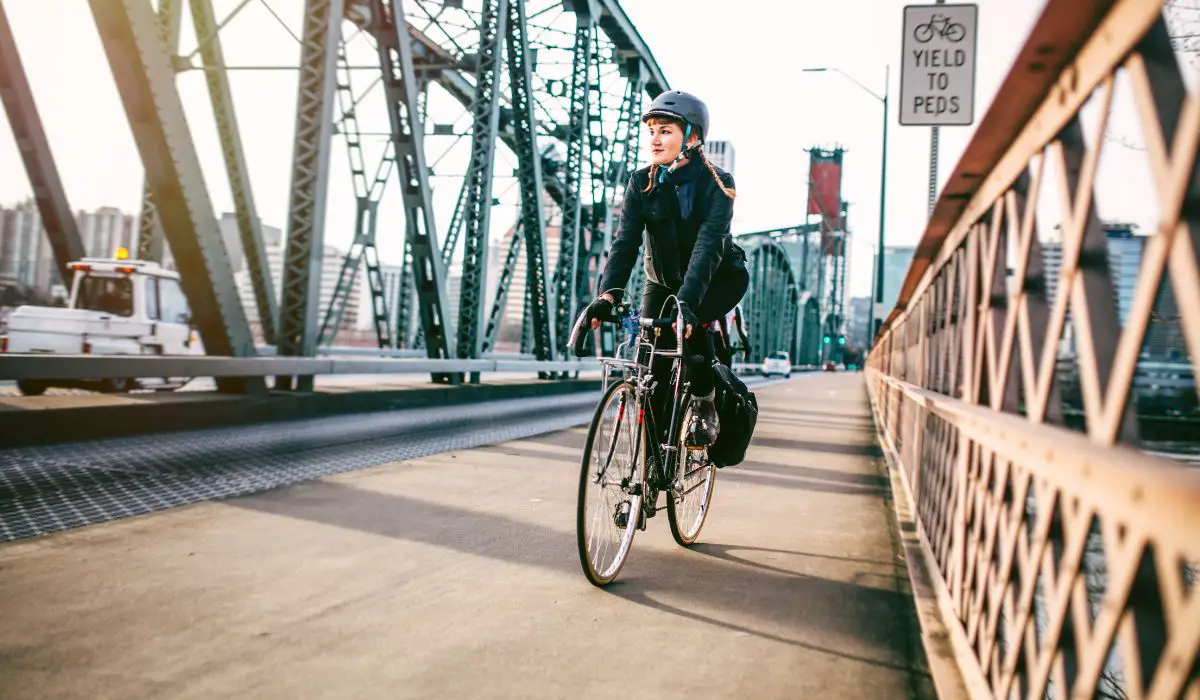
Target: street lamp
<point x="877" y="296"/>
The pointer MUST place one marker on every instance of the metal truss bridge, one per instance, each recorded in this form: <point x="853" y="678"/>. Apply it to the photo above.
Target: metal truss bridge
<point x="548" y="93"/>
<point x="1003" y="504"/>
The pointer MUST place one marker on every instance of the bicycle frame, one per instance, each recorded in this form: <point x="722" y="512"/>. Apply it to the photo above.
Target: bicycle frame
<point x="665" y="456"/>
<point x="638" y="374"/>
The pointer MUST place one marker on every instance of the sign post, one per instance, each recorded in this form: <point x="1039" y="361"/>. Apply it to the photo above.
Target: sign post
<point x="937" y="73"/>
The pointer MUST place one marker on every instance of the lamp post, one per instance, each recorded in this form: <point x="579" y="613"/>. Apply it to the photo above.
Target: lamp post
<point x="873" y="322"/>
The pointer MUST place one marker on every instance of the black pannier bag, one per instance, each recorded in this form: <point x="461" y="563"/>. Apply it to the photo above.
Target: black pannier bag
<point x="737" y="409"/>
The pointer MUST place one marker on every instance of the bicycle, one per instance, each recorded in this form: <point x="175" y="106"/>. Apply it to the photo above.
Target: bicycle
<point x="950" y="31"/>
<point x="623" y="454"/>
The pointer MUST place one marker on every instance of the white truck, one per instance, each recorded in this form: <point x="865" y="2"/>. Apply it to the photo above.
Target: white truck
<point x="117" y="306"/>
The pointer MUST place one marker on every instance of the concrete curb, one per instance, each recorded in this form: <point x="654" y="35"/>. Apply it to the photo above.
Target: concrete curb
<point x="168" y="412"/>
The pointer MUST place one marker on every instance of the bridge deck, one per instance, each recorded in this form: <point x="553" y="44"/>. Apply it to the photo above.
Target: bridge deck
<point x="456" y="576"/>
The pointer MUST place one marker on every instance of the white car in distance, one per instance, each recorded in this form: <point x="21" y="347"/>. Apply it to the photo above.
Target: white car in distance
<point x="778" y="363"/>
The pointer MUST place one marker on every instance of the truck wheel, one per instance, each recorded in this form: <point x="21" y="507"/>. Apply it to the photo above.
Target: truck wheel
<point x="118" y="386"/>
<point x="29" y="388"/>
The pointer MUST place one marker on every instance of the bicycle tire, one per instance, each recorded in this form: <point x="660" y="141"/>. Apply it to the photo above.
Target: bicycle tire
<point x="587" y="523"/>
<point x="686" y="523"/>
<point x="955" y="30"/>
<point x="923" y="30"/>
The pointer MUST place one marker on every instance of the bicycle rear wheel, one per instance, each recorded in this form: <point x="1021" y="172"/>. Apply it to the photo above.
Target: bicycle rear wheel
<point x="691" y="492"/>
<point x="610" y="485"/>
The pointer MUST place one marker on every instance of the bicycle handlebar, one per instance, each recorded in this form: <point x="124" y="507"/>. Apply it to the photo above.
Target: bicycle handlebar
<point x="581" y="327"/>
<point x="665" y="323"/>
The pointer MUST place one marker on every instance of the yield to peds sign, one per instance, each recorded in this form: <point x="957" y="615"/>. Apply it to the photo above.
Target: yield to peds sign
<point x="937" y="75"/>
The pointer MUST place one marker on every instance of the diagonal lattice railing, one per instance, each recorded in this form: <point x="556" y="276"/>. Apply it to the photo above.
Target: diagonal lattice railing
<point x="1064" y="546"/>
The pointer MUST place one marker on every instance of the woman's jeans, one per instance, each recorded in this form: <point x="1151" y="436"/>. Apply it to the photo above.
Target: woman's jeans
<point x="725" y="291"/>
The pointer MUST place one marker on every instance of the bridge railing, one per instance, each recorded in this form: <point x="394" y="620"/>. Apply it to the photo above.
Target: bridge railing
<point x="1063" y="548"/>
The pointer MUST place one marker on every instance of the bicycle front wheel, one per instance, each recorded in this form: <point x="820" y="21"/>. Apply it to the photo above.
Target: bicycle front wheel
<point x="691" y="492"/>
<point x="610" y="485"/>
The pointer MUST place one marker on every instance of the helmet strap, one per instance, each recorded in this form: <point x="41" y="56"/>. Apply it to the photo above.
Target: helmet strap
<point x="683" y="153"/>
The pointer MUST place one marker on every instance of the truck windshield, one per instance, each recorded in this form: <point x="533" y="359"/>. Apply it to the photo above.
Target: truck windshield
<point x="112" y="295"/>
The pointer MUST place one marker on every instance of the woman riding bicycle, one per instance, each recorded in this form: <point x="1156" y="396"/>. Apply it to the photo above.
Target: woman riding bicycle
<point x="684" y="205"/>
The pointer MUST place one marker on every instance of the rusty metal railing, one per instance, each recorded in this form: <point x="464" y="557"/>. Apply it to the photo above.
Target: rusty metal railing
<point x="1063" y="549"/>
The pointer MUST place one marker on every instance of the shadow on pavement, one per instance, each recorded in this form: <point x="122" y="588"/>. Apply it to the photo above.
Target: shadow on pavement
<point x="860" y="415"/>
<point x="849" y="489"/>
<point x="856" y="478"/>
<point x="860" y="450"/>
<point x="779" y="605"/>
<point x="865" y="428"/>
<point x="785" y="601"/>
<point x="727" y="552"/>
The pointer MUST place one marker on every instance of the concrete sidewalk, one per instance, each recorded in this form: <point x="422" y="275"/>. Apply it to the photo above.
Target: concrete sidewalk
<point x="456" y="576"/>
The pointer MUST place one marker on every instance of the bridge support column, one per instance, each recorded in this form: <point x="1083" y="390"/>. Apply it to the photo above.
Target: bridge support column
<point x="540" y="311"/>
<point x="146" y="83"/>
<point x="478" y="184"/>
<point x="249" y="226"/>
<point x="402" y="90"/>
<point x="151" y="243"/>
<point x="31" y="139"/>
<point x="565" y="274"/>
<point x="310" y="179"/>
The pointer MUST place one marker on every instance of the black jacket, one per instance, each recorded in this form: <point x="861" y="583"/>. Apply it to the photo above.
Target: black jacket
<point x="681" y="254"/>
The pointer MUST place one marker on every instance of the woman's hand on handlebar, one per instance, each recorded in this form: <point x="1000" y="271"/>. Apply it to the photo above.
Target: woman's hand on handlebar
<point x="602" y="309"/>
<point x="689" y="318"/>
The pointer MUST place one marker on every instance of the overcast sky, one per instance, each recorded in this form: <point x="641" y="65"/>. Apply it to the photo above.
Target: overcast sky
<point x="743" y="58"/>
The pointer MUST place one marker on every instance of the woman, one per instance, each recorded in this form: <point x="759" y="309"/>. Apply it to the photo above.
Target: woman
<point x="683" y="204"/>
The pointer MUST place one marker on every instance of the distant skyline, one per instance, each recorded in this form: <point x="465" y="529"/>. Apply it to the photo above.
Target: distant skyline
<point x="765" y="107"/>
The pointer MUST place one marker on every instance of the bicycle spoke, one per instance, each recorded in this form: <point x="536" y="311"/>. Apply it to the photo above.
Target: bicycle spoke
<point x="608" y="510"/>
<point x="694" y="478"/>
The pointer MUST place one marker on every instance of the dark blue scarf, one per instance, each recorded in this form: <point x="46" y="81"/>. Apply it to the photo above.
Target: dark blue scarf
<point x="684" y="181"/>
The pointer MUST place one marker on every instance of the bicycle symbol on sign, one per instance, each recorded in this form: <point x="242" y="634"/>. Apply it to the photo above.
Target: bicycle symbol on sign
<point x="950" y="31"/>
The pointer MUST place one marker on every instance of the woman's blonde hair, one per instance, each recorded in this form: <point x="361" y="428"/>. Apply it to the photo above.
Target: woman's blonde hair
<point x="729" y="192"/>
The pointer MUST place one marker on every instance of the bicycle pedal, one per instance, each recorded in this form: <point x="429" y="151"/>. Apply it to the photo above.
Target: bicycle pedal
<point x="621" y="516"/>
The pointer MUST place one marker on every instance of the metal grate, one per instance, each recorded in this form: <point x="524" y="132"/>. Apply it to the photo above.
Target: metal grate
<point x="45" y="489"/>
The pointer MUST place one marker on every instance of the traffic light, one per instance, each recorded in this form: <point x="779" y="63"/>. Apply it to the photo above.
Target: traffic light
<point x="825" y="340"/>
<point x="841" y="340"/>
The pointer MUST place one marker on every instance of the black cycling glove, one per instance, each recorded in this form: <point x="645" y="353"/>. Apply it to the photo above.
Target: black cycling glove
<point x="689" y="317"/>
<point x="601" y="309"/>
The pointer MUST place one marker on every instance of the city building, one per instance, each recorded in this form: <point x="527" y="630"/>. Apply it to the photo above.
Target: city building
<point x="857" y="318"/>
<point x="514" y="308"/>
<point x="1051" y="265"/>
<point x="331" y="266"/>
<point x="392" y="276"/>
<point x="720" y="153"/>
<point x="25" y="253"/>
<point x="896" y="261"/>
<point x="231" y="235"/>
<point x="1124" y="261"/>
<point x="1164" y="337"/>
<point x="105" y="230"/>
<point x="453" y="290"/>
